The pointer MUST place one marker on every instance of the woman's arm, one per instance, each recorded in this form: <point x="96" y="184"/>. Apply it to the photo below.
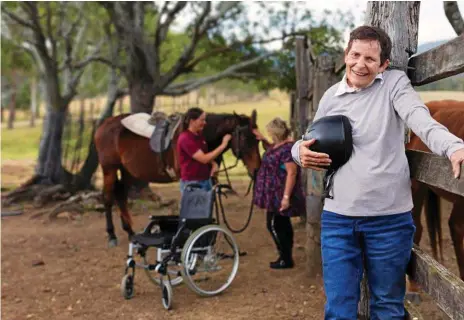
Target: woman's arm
<point x="290" y="181"/>
<point x="291" y="168"/>
<point x="205" y="158"/>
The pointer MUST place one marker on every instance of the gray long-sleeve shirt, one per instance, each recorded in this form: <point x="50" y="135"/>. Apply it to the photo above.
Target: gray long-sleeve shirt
<point x="376" y="179"/>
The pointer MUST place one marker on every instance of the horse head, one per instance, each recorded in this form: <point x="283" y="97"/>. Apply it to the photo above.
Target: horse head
<point x="244" y="144"/>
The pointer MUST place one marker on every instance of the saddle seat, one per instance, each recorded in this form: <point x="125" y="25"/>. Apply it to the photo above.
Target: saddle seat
<point x="158" y="127"/>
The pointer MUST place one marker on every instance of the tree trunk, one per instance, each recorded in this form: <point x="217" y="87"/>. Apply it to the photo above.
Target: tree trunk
<point x="49" y="167"/>
<point x="142" y="96"/>
<point x="33" y="101"/>
<point x="12" y="107"/>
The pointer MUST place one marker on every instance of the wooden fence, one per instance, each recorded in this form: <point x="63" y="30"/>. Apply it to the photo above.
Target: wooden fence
<point x="316" y="74"/>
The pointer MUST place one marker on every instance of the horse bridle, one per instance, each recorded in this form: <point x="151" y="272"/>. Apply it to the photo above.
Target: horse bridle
<point x="238" y="156"/>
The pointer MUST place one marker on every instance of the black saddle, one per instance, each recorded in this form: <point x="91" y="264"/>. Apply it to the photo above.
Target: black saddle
<point x="333" y="136"/>
<point x="165" y="127"/>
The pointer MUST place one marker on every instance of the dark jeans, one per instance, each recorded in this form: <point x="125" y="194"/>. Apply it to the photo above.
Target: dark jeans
<point x="281" y="231"/>
<point x="385" y="242"/>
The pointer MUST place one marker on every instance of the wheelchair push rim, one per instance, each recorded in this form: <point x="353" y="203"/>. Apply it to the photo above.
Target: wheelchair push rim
<point x="207" y="259"/>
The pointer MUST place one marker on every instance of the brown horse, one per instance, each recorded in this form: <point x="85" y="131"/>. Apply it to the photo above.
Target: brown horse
<point x="450" y="113"/>
<point x="119" y="149"/>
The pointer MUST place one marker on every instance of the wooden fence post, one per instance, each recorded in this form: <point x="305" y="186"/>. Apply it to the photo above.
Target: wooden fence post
<point x="304" y="90"/>
<point x="324" y="78"/>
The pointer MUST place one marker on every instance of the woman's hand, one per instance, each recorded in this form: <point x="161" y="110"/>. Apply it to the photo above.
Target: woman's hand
<point x="456" y="159"/>
<point x="258" y="135"/>
<point x="285" y="203"/>
<point x="214" y="169"/>
<point x="311" y="159"/>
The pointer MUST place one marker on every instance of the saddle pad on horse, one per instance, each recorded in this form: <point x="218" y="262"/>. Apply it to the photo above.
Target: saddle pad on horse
<point x="138" y="124"/>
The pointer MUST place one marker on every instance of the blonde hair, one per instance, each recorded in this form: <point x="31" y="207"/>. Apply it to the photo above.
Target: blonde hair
<point x="278" y="130"/>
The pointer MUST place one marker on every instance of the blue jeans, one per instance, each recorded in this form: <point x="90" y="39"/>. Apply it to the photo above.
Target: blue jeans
<point x="205" y="184"/>
<point x="385" y="242"/>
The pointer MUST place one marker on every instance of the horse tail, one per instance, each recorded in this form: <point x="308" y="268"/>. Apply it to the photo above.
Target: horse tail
<point x="121" y="191"/>
<point x="433" y="215"/>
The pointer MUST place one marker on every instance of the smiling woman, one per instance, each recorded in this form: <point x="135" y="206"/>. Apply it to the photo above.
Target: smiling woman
<point x="368" y="216"/>
<point x="362" y="59"/>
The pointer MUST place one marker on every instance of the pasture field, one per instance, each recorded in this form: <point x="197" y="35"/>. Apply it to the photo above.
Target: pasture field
<point x="62" y="269"/>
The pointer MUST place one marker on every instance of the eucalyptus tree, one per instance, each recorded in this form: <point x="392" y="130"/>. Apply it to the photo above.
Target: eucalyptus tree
<point x="63" y="38"/>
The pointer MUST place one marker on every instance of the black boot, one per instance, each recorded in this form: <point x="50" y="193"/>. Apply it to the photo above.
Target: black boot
<point x="282" y="264"/>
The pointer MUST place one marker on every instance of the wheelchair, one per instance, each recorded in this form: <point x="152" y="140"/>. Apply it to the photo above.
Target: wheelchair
<point x="191" y="248"/>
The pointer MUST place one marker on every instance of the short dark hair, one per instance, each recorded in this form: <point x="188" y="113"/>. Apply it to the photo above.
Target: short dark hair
<point x="373" y="33"/>
<point x="191" y="114"/>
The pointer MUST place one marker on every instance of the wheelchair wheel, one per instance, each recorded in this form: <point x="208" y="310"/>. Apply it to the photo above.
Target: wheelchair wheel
<point x="151" y="256"/>
<point x="210" y="260"/>
<point x="127" y="286"/>
<point x="166" y="294"/>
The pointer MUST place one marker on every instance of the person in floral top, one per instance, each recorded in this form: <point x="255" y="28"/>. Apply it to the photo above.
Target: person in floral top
<point x="278" y="189"/>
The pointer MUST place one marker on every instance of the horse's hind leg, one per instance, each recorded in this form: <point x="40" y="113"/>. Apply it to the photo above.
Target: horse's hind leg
<point x="122" y="192"/>
<point x="418" y="197"/>
<point x="109" y="183"/>
<point x="456" y="224"/>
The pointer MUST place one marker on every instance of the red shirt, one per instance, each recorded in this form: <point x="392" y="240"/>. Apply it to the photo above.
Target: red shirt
<point x="191" y="169"/>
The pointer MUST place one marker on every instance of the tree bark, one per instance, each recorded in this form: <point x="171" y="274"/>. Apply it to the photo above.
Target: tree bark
<point x="12" y="107"/>
<point x="454" y="16"/>
<point x="142" y="95"/>
<point x="33" y="101"/>
<point x="49" y="167"/>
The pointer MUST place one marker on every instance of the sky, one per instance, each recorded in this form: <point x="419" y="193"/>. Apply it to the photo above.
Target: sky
<point x="433" y="24"/>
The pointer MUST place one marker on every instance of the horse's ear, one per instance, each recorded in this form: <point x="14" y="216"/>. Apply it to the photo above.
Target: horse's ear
<point x="254" y="115"/>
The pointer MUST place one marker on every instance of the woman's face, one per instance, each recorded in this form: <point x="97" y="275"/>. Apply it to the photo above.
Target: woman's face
<point x="198" y="124"/>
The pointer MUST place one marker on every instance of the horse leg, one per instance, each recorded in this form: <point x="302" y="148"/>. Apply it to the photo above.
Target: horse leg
<point x="418" y="197"/>
<point x="456" y="225"/>
<point x="109" y="181"/>
<point x="122" y="193"/>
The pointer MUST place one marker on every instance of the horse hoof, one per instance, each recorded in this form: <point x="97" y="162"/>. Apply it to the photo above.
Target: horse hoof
<point x="112" y="243"/>
<point x="413" y="297"/>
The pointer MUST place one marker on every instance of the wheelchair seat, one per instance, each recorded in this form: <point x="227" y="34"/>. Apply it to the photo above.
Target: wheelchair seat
<point x="196" y="209"/>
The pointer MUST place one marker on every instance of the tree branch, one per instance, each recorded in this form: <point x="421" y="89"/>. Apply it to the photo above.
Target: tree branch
<point x="235" y="45"/>
<point x="454" y="16"/>
<point x="50" y="36"/>
<point x="163" y="27"/>
<point x="18" y="20"/>
<point x="232" y="71"/>
<point x="198" y="32"/>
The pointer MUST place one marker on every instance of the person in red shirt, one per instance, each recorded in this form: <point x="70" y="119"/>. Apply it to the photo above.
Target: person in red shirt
<point x="197" y="165"/>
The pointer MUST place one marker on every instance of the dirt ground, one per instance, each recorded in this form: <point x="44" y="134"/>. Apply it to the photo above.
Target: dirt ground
<point x="78" y="277"/>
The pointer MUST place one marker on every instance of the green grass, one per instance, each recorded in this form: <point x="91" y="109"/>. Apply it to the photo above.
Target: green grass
<point x="20" y="143"/>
